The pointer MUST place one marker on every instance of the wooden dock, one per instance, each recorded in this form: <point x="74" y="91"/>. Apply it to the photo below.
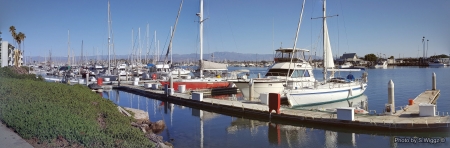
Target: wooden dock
<point x="406" y="120"/>
<point x="427" y="97"/>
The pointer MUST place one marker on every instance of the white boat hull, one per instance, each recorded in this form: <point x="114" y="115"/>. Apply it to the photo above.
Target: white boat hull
<point x="344" y="66"/>
<point x="436" y="64"/>
<point x="259" y="87"/>
<point x="356" y="102"/>
<point x="380" y="66"/>
<point x="324" y="94"/>
<point x="181" y="72"/>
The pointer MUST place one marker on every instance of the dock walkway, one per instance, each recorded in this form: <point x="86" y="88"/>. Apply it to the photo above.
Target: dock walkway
<point x="427" y="97"/>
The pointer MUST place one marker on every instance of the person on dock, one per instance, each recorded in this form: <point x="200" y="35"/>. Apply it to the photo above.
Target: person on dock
<point x="350" y="77"/>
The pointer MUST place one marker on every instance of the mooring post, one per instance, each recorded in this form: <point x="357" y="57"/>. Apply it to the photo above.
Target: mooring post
<point x="259" y="75"/>
<point x="118" y="80"/>
<point x="166" y="89"/>
<point x="391" y="96"/>
<point x="126" y="73"/>
<point x="87" y="79"/>
<point x="433" y="83"/>
<point x="250" y="90"/>
<point x="171" y="81"/>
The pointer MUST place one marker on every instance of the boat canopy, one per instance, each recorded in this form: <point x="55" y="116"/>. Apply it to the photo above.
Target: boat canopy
<point x="208" y="65"/>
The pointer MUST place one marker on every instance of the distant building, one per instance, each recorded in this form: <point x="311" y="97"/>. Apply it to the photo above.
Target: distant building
<point x="391" y="61"/>
<point x="7" y="54"/>
<point x="350" y="57"/>
<point x="399" y="61"/>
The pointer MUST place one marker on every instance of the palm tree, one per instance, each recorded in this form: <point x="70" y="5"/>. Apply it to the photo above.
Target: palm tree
<point x="12" y="29"/>
<point x="18" y="39"/>
<point x="22" y="40"/>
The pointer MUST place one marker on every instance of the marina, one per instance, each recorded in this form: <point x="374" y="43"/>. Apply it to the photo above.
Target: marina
<point x="226" y="74"/>
<point x="222" y="120"/>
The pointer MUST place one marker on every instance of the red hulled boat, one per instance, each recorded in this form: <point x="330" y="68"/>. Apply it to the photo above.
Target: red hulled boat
<point x="194" y="84"/>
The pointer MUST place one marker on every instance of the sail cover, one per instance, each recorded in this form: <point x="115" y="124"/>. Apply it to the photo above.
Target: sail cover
<point x="329" y="62"/>
<point x="208" y="65"/>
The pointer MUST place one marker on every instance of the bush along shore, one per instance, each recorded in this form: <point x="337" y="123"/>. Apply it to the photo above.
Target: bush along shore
<point x="59" y="115"/>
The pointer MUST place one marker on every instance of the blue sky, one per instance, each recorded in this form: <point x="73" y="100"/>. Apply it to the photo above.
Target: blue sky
<point x="389" y="27"/>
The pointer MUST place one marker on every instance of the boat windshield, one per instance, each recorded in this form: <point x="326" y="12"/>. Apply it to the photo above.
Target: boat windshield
<point x="63" y="68"/>
<point x="294" y="73"/>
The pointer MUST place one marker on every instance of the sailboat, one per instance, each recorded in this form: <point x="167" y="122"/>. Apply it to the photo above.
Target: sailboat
<point x="331" y="89"/>
<point x="108" y="74"/>
<point x="201" y="82"/>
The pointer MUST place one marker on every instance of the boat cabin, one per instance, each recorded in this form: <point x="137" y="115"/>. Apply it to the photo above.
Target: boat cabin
<point x="285" y="55"/>
<point x="122" y="66"/>
<point x="160" y="67"/>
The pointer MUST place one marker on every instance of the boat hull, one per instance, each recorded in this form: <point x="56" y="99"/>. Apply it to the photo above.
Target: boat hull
<point x="111" y="77"/>
<point x="259" y="87"/>
<point x="309" y="97"/>
<point x="436" y="64"/>
<point x="194" y="85"/>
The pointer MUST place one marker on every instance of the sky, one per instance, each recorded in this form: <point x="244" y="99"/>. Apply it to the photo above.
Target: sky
<point x="382" y="27"/>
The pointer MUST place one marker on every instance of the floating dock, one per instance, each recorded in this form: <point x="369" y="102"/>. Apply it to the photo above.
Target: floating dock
<point x="405" y="120"/>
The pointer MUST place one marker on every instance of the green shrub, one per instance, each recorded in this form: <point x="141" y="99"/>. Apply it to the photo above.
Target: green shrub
<point x="18" y="73"/>
<point x="44" y="110"/>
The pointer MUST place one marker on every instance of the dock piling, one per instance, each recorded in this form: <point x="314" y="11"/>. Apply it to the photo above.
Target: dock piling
<point x="87" y="79"/>
<point x="433" y="83"/>
<point x="391" y="97"/>
<point x="250" y="90"/>
<point x="171" y="81"/>
<point x="166" y="89"/>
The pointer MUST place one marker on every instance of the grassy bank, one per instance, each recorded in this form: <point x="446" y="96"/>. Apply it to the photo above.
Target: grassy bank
<point x="54" y="114"/>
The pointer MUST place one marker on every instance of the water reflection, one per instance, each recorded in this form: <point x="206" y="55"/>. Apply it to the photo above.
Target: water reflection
<point x="191" y="127"/>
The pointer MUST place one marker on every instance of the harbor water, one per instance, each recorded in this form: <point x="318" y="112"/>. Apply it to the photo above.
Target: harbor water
<point x="188" y="127"/>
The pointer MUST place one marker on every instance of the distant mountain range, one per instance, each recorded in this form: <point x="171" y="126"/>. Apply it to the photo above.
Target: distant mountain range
<point x="216" y="56"/>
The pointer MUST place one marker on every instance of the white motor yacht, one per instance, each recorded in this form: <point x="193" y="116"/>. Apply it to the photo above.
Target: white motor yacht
<point x="282" y="72"/>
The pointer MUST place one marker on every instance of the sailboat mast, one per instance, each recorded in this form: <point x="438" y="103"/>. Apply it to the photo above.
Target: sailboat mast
<point x="82" y="59"/>
<point x="68" y="47"/>
<point x="171" y="47"/>
<point x="139" y="42"/>
<point x="200" y="15"/>
<point x="148" y="45"/>
<point x="132" y="45"/>
<point x="324" y="42"/>
<point x="109" y="40"/>
<point x="155" y="53"/>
